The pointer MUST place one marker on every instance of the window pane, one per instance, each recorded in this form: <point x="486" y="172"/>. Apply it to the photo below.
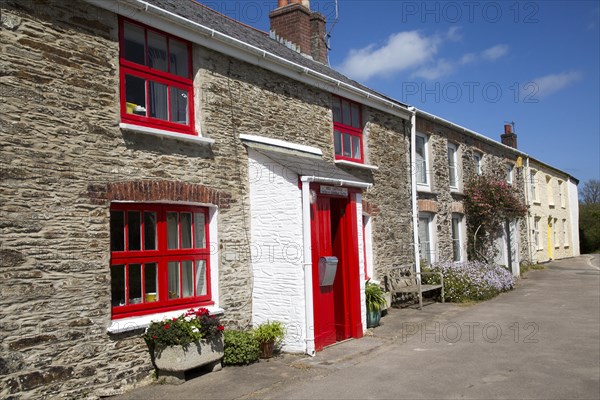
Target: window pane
<point x="424" y="242"/>
<point x="337" y="142"/>
<point x="172" y="231"/>
<point x="347" y="147"/>
<point x="200" y="237"/>
<point x="200" y="277"/>
<point x="157" y="51"/>
<point x="117" y="285"/>
<point x="135" y="95"/>
<point x="337" y="109"/>
<point x="134" y="43"/>
<point x="117" y="231"/>
<point x="173" y="280"/>
<point x="134" y="230"/>
<point x="187" y="278"/>
<point x="356" y="147"/>
<point x="150" y="282"/>
<point x="149" y="230"/>
<point x="178" y="58"/>
<point x="179" y="105"/>
<point x="186" y="230"/>
<point x="346" y="120"/>
<point x="355" y="116"/>
<point x="158" y="100"/>
<point x="135" y="283"/>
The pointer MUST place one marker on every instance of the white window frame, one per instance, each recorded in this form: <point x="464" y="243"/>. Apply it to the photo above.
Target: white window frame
<point x="426" y="162"/>
<point x="477" y="157"/>
<point x="453" y="169"/>
<point x="564" y="233"/>
<point x="549" y="191"/>
<point x="533" y="186"/>
<point x="536" y="233"/>
<point x="457" y="238"/>
<point x="561" y="198"/>
<point x="510" y="169"/>
<point x="429" y="219"/>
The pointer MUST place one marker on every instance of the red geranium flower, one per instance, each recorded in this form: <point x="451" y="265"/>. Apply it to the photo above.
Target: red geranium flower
<point x="221" y="327"/>
<point x="167" y="326"/>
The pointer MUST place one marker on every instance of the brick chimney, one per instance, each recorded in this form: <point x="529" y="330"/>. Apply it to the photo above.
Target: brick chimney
<point x="509" y="138"/>
<point x="293" y="22"/>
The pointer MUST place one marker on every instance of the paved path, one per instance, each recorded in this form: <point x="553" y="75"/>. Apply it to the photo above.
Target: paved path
<point x="540" y="341"/>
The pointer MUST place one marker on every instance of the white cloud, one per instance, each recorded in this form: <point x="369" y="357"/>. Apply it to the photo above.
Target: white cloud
<point x="415" y="52"/>
<point x="401" y="51"/>
<point x="441" y="68"/>
<point x="549" y="84"/>
<point x="495" y="52"/>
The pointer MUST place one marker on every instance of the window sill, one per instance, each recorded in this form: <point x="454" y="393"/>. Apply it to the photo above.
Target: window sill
<point x="424" y="188"/>
<point x="357" y="165"/>
<point x="161" y="133"/>
<point x="142" y="321"/>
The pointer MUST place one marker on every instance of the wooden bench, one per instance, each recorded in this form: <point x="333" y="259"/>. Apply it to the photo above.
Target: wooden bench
<point x="403" y="279"/>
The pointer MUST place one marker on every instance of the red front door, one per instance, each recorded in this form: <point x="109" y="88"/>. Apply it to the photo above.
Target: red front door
<point x="334" y="233"/>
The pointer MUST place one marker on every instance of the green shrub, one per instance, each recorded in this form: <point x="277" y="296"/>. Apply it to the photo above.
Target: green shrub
<point x="240" y="347"/>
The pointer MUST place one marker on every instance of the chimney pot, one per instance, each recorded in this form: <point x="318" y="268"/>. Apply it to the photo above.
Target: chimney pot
<point x="507" y="129"/>
<point x="282" y="3"/>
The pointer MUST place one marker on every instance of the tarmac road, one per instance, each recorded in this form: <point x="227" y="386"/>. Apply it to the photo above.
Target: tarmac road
<point x="539" y="341"/>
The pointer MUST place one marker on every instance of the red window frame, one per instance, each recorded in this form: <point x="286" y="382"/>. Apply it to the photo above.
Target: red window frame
<point x="348" y="125"/>
<point x="161" y="256"/>
<point x="150" y="74"/>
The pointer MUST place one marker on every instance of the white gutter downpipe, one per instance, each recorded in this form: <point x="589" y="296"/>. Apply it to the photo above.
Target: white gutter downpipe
<point x="308" y="282"/>
<point x="529" y="216"/>
<point x="413" y="183"/>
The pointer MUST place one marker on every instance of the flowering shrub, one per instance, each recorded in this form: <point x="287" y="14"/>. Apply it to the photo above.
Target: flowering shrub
<point x="187" y="328"/>
<point x="472" y="280"/>
<point x="489" y="203"/>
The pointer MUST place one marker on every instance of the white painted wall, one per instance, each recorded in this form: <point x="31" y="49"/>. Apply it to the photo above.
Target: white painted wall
<point x="574" y="216"/>
<point x="276" y="237"/>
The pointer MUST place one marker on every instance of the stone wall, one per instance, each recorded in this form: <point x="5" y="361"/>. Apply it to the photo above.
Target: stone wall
<point x="64" y="159"/>
<point x="445" y="201"/>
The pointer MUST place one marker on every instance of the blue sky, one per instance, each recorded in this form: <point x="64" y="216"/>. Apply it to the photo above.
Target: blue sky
<point x="479" y="64"/>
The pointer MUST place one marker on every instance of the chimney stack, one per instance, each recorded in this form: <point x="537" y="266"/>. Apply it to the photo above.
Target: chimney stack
<point x="509" y="138"/>
<point x="293" y="22"/>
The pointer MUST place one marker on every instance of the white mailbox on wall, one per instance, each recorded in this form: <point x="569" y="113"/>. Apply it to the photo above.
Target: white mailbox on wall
<point x="327" y="270"/>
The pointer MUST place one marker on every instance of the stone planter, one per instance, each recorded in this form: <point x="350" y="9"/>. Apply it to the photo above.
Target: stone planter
<point x="173" y="361"/>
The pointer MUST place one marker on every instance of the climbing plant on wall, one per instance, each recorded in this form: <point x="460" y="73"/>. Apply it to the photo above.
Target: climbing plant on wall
<point x="489" y="204"/>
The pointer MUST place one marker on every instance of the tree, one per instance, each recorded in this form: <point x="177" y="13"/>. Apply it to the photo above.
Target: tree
<point x="489" y="204"/>
<point x="590" y="192"/>
<point x="589" y="217"/>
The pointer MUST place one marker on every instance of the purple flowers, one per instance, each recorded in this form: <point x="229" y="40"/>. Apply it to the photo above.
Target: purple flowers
<point x="473" y="280"/>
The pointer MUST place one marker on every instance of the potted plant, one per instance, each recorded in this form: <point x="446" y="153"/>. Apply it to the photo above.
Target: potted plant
<point x="191" y="340"/>
<point x="375" y="299"/>
<point x="269" y="334"/>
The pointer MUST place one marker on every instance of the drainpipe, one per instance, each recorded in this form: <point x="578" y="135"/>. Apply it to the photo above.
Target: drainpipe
<point x="413" y="182"/>
<point x="307" y="251"/>
<point x="529" y="216"/>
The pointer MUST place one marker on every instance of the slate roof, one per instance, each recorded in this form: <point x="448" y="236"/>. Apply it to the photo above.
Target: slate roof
<point x="201" y="14"/>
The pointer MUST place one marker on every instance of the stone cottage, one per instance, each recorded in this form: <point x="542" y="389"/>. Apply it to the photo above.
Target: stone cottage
<point x="159" y="156"/>
<point x="447" y="157"/>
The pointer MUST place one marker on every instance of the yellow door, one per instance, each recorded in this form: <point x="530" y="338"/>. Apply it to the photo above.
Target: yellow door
<point x="550" y="247"/>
